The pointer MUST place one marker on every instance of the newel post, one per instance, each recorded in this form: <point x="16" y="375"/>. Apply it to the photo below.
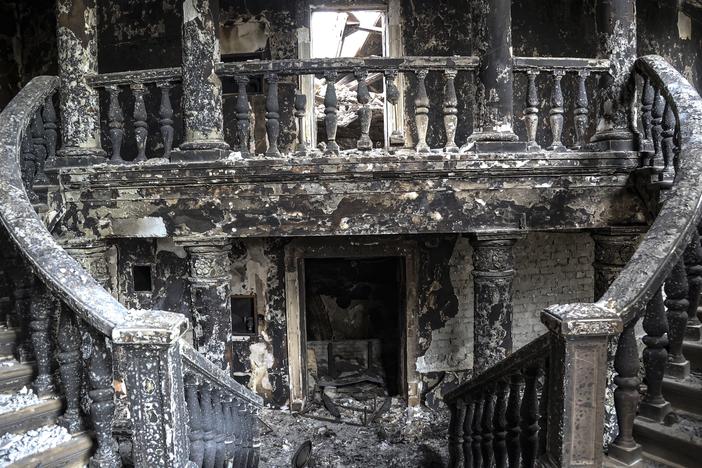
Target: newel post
<point x="150" y="342"/>
<point x="577" y="382"/>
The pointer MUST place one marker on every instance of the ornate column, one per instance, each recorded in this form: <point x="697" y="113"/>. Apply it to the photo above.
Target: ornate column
<point x="494" y="94"/>
<point x="616" y="34"/>
<point x="493" y="272"/>
<point x="202" y="88"/>
<point x="210" y="292"/>
<point x="92" y="255"/>
<point x="614" y="246"/>
<point x="80" y="109"/>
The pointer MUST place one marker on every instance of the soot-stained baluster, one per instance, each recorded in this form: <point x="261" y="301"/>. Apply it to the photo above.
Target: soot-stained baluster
<point x="40" y="311"/>
<point x="455" y="433"/>
<point x="543" y="410"/>
<point x="102" y="408"/>
<point x="647" y="96"/>
<point x="48" y="115"/>
<point x="209" y="437"/>
<point x="28" y="166"/>
<point x="197" y="446"/>
<point x="676" y="291"/>
<point x="488" y="436"/>
<point x="421" y="112"/>
<point x="141" y="130"/>
<point x="116" y="124"/>
<point x="626" y="396"/>
<point x="243" y="119"/>
<point x="228" y="427"/>
<point x="300" y="111"/>
<point x="529" y="414"/>
<point x="70" y="370"/>
<point x="468" y="433"/>
<point x="272" y="115"/>
<point x="220" y="436"/>
<point x="516" y="381"/>
<point x="392" y="94"/>
<point x="655" y="357"/>
<point x="39" y="148"/>
<point x="477" y="430"/>
<point x="238" y="432"/>
<point x="365" y="113"/>
<point x="246" y="435"/>
<point x="693" y="267"/>
<point x="330" y="110"/>
<point x="556" y="112"/>
<point x="165" y="122"/>
<point x="500" y="425"/>
<point x="580" y="113"/>
<point x="450" y="111"/>
<point x="531" y="112"/>
<point x="657" y="162"/>
<point x="668" y="147"/>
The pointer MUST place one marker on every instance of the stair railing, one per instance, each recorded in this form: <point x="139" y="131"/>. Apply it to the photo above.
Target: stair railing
<point x="544" y="404"/>
<point x="160" y="368"/>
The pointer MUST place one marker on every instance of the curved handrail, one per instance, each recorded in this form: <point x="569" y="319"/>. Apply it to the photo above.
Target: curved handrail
<point x="671" y="232"/>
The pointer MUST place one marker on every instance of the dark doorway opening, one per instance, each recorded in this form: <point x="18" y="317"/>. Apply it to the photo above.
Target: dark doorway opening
<point x="354" y="322"/>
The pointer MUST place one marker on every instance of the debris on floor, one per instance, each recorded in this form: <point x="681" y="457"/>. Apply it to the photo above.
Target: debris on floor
<point x="14" y="447"/>
<point x="10" y="402"/>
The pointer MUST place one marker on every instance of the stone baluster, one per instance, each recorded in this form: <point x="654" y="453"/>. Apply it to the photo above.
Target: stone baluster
<point x="450" y="111"/>
<point x="531" y="112"/>
<point x="141" y="131"/>
<point x="165" y="121"/>
<point x="513" y="419"/>
<point x="272" y="115"/>
<point x="48" y="115"/>
<point x="647" y="97"/>
<point x="220" y="436"/>
<point x="556" y="112"/>
<point x="468" y="433"/>
<point x="40" y="311"/>
<point x="116" y="123"/>
<point x="529" y="425"/>
<point x="237" y="423"/>
<point x="487" y="426"/>
<point x="655" y="356"/>
<point x="330" y="110"/>
<point x="626" y="396"/>
<point x="693" y="267"/>
<point x="28" y="165"/>
<point x="668" y="146"/>
<point x="40" y="152"/>
<point x="365" y="113"/>
<point x="676" y="291"/>
<point x="102" y="407"/>
<point x="580" y="113"/>
<point x="455" y="433"/>
<point x="657" y="133"/>
<point x="421" y="112"/>
<point x="543" y="410"/>
<point x="300" y="111"/>
<point x="246" y="435"/>
<point x="477" y="430"/>
<point x="392" y="94"/>
<point x="197" y="446"/>
<point x="208" y="424"/>
<point x="68" y="357"/>
<point x="243" y="118"/>
<point x="500" y="424"/>
<point x="228" y="427"/>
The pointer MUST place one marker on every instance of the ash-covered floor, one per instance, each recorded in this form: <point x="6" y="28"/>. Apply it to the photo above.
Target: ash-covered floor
<point x="401" y="437"/>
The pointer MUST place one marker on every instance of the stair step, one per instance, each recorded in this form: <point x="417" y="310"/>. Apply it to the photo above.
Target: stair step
<point x="680" y="443"/>
<point x="692" y="350"/>
<point x="14" y="377"/>
<point x="685" y="394"/>
<point x="8" y="337"/>
<point x="71" y="454"/>
<point x="31" y="417"/>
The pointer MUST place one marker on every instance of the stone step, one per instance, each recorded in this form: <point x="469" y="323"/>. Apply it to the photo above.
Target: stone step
<point x="8" y="337"/>
<point x="74" y="453"/>
<point x="31" y="417"/>
<point x="685" y="394"/>
<point x="680" y="443"/>
<point x="692" y="350"/>
<point x="15" y="376"/>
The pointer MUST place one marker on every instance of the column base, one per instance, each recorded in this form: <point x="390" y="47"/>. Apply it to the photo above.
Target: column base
<point x="77" y="157"/>
<point x="198" y="155"/>
<point x="501" y="147"/>
<point x="655" y="411"/>
<point x="693" y="331"/>
<point x="613" y="140"/>
<point x="678" y="370"/>
<point x="623" y="456"/>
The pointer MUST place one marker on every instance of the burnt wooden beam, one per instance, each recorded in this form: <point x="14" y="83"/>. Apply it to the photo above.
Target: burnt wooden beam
<point x="154" y="75"/>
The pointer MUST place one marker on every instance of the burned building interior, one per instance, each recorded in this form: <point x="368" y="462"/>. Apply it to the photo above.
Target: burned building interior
<point x="340" y="233"/>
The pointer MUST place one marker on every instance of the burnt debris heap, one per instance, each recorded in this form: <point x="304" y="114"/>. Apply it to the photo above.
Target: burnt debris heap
<point x="489" y="210"/>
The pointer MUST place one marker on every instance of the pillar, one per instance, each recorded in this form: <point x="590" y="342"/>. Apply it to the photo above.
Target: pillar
<point x="210" y="293"/>
<point x="202" y="88"/>
<point x="493" y="273"/>
<point x="616" y="38"/>
<point x="77" y="37"/>
<point x="614" y="246"/>
<point x="494" y="94"/>
<point x="93" y="256"/>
